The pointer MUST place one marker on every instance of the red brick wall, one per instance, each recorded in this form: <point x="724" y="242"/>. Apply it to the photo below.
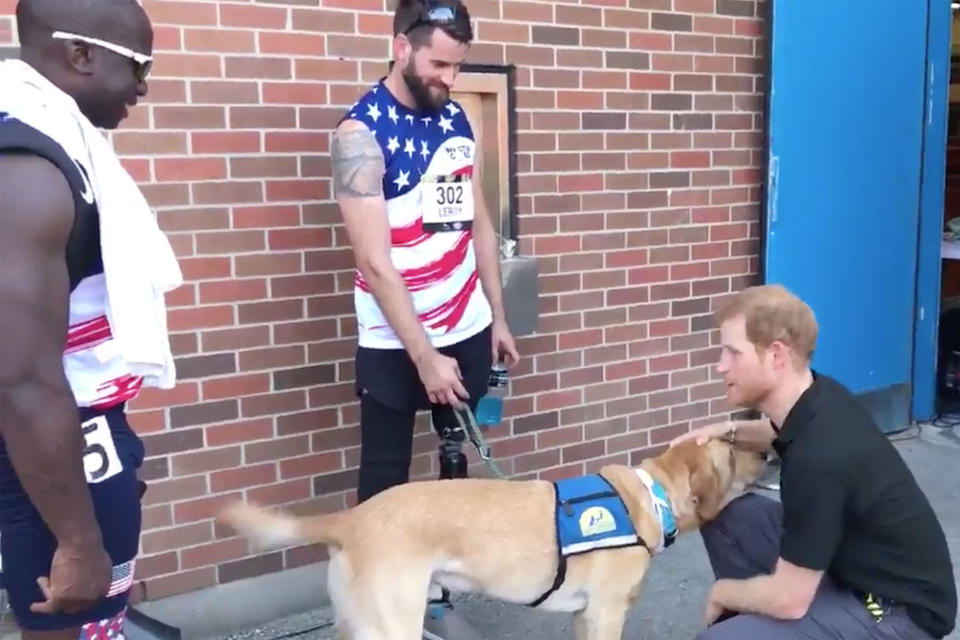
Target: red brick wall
<point x="639" y="155"/>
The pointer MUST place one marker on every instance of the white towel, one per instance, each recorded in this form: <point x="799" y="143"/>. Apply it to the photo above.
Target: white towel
<point x="138" y="263"/>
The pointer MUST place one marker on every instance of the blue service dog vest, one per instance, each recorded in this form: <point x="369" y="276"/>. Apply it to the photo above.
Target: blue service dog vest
<point x="590" y="515"/>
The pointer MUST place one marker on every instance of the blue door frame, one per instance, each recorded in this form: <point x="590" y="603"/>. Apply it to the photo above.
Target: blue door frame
<point x="856" y="136"/>
<point x="931" y="212"/>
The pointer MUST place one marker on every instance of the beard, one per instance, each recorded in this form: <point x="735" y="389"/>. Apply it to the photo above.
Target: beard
<point x="420" y="91"/>
<point x="747" y="394"/>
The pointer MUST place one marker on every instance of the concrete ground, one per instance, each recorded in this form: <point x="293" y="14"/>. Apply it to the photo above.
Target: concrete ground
<point x="670" y="606"/>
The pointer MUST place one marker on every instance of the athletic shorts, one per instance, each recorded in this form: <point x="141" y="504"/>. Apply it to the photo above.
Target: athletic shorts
<point x="391" y="377"/>
<point x="113" y="454"/>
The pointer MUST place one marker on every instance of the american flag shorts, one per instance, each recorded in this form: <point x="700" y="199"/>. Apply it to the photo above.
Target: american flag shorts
<point x="28" y="545"/>
<point x="106" y="629"/>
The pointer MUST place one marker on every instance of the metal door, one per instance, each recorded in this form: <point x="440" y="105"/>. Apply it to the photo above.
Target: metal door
<point x="845" y="131"/>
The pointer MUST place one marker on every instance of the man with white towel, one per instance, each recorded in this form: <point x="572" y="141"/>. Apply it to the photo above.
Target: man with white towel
<point x="82" y="281"/>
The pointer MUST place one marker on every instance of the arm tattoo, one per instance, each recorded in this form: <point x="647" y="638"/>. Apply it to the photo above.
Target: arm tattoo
<point x="357" y="163"/>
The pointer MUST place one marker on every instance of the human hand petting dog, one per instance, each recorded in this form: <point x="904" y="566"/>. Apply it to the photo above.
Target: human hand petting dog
<point x="716" y="430"/>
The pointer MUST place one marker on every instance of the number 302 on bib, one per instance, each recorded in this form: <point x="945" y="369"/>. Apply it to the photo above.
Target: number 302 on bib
<point x="447" y="203"/>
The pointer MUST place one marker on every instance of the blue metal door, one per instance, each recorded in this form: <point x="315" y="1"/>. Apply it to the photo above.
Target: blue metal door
<point x="845" y="125"/>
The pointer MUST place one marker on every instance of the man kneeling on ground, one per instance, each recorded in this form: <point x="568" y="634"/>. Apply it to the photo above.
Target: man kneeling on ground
<point x="854" y="549"/>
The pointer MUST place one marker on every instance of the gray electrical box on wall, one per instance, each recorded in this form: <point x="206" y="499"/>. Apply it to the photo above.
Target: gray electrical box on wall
<point x="520" y="294"/>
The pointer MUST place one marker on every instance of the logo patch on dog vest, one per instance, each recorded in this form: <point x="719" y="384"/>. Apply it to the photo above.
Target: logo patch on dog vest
<point x="596" y="521"/>
<point x="591" y="515"/>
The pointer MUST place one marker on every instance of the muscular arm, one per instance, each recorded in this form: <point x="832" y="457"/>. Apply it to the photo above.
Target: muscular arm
<point x="38" y="414"/>
<point x="814" y="519"/>
<point x="786" y="594"/>
<point x="754" y="435"/>
<point x="486" y="245"/>
<point x="358" y="168"/>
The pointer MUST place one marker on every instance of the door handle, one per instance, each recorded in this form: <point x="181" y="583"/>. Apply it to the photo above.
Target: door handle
<point x="773" y="186"/>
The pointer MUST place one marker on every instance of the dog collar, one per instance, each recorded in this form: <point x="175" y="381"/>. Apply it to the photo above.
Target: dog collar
<point x="661" y="505"/>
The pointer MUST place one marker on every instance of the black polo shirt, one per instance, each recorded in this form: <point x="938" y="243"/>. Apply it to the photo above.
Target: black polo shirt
<point x="852" y="508"/>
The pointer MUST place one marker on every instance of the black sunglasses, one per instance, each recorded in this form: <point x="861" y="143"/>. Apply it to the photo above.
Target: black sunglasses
<point x="435" y="16"/>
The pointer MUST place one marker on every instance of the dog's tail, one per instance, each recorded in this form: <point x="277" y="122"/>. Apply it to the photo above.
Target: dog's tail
<point x="270" y="529"/>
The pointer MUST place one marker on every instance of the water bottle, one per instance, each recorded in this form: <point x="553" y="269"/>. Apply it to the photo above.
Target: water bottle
<point x="490" y="406"/>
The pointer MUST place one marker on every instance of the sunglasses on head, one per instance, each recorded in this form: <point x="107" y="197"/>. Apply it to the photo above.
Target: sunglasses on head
<point x="141" y="62"/>
<point x="436" y="16"/>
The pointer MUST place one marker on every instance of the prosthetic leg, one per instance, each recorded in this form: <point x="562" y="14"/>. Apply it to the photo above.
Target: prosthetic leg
<point x="442" y="622"/>
<point x="453" y="462"/>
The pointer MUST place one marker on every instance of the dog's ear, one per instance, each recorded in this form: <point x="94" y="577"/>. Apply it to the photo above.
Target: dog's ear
<point x="705" y="490"/>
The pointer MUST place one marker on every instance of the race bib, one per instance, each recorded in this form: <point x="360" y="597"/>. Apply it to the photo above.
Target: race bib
<point x="447" y="203"/>
<point x="100" y="459"/>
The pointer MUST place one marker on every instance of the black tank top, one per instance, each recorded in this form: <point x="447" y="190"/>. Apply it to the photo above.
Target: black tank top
<point x="83" y="246"/>
<point x="82" y="254"/>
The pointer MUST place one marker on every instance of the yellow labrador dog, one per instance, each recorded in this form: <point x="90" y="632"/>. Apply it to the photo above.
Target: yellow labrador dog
<point x="501" y="538"/>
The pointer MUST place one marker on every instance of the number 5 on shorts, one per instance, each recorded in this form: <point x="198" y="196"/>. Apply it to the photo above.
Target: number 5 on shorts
<point x="100" y="459"/>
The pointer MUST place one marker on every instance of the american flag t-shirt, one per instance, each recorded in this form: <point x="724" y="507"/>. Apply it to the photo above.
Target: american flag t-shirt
<point x="426" y="154"/>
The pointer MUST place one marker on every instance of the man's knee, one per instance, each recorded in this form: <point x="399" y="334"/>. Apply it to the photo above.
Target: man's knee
<point x="752" y="505"/>
<point x="744" y="539"/>
<point x="748" y="512"/>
